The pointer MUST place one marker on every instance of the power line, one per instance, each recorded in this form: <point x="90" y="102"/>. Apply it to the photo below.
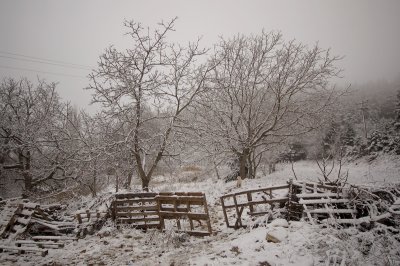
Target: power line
<point x="38" y="71"/>
<point x="43" y="60"/>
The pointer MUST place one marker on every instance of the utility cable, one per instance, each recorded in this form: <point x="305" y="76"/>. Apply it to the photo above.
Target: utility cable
<point x="39" y="71"/>
<point x="42" y="60"/>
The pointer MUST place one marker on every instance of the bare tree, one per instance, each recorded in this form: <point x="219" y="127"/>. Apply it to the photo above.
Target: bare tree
<point x="30" y="143"/>
<point x="146" y="88"/>
<point x="263" y="90"/>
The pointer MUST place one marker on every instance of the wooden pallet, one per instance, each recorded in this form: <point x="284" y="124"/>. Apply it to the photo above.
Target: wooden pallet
<point x="185" y="206"/>
<point x="250" y="200"/>
<point x="325" y="203"/>
<point x="138" y="210"/>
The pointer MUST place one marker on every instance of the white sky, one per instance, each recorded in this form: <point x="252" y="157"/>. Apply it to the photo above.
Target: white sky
<point x="367" y="33"/>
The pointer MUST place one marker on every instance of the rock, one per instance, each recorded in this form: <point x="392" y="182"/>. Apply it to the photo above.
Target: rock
<point x="279" y="223"/>
<point x="296" y="224"/>
<point x="277" y="235"/>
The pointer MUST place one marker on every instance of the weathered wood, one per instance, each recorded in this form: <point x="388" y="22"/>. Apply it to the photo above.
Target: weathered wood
<point x="22" y="250"/>
<point x="55" y="238"/>
<point x="178" y="206"/>
<point x="255" y="190"/>
<point x="132" y="214"/>
<point x="250" y="201"/>
<point x="44" y="244"/>
<point x="136" y="208"/>
<point x="323" y="201"/>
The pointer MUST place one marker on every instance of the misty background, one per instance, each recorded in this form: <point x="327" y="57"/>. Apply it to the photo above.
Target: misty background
<point x="62" y="40"/>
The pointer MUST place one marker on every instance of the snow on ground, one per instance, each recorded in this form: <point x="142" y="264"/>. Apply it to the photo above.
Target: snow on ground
<point x="301" y="243"/>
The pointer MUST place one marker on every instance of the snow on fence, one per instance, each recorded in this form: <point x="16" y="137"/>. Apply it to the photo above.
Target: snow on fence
<point x="256" y="202"/>
<point x="157" y="210"/>
<point x="136" y="209"/>
<point x="313" y="201"/>
<point x="183" y="207"/>
<point x="326" y="202"/>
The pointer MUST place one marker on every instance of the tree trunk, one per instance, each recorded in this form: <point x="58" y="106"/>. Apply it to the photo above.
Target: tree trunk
<point x="129" y="179"/>
<point x="243" y="162"/>
<point x="27" y="181"/>
<point x="27" y="167"/>
<point x="145" y="184"/>
<point x="94" y="191"/>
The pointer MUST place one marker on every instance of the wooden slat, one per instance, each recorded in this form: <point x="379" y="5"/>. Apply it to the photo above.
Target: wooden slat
<point x="54" y="238"/>
<point x="180" y="199"/>
<point x="133" y="201"/>
<point x="132" y="214"/>
<point x="318" y="195"/>
<point x="284" y="199"/>
<point x="136" y="195"/>
<point x="47" y="244"/>
<point x="256" y="190"/>
<point x="323" y="201"/>
<point x="173" y="215"/>
<point x="330" y="210"/>
<point x="24" y="249"/>
<point x="136" y="220"/>
<point x="136" y="208"/>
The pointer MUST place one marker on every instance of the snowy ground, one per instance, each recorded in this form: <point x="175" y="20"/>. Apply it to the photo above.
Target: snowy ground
<point x="302" y="243"/>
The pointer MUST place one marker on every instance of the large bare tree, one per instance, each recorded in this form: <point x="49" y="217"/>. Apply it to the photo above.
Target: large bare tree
<point x="263" y="90"/>
<point x="146" y="88"/>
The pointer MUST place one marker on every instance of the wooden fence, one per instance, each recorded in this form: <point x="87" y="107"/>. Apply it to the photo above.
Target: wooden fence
<point x="234" y="204"/>
<point x="157" y="210"/>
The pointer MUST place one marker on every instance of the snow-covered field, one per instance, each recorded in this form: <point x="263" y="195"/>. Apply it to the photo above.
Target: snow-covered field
<point x="302" y="243"/>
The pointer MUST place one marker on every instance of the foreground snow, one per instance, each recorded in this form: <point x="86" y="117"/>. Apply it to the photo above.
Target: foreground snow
<point x="301" y="243"/>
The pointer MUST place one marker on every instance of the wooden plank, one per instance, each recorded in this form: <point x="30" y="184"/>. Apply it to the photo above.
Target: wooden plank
<point x="178" y="209"/>
<point x="194" y="216"/>
<point x="22" y="250"/>
<point x="198" y="233"/>
<point x="136" y="220"/>
<point x="180" y="199"/>
<point x="55" y="238"/>
<point x="137" y="208"/>
<point x="308" y="214"/>
<point x="330" y="210"/>
<point x="133" y="201"/>
<point x="284" y="199"/>
<point x="256" y="190"/>
<point x="135" y="195"/>
<point x="323" y="201"/>
<point x="258" y="213"/>
<point x="318" y="195"/>
<point x="132" y="214"/>
<point x="224" y="211"/>
<point x="46" y="244"/>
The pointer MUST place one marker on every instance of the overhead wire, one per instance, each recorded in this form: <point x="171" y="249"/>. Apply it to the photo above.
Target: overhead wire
<point x="42" y="60"/>
<point x="39" y="71"/>
<point x="33" y="59"/>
